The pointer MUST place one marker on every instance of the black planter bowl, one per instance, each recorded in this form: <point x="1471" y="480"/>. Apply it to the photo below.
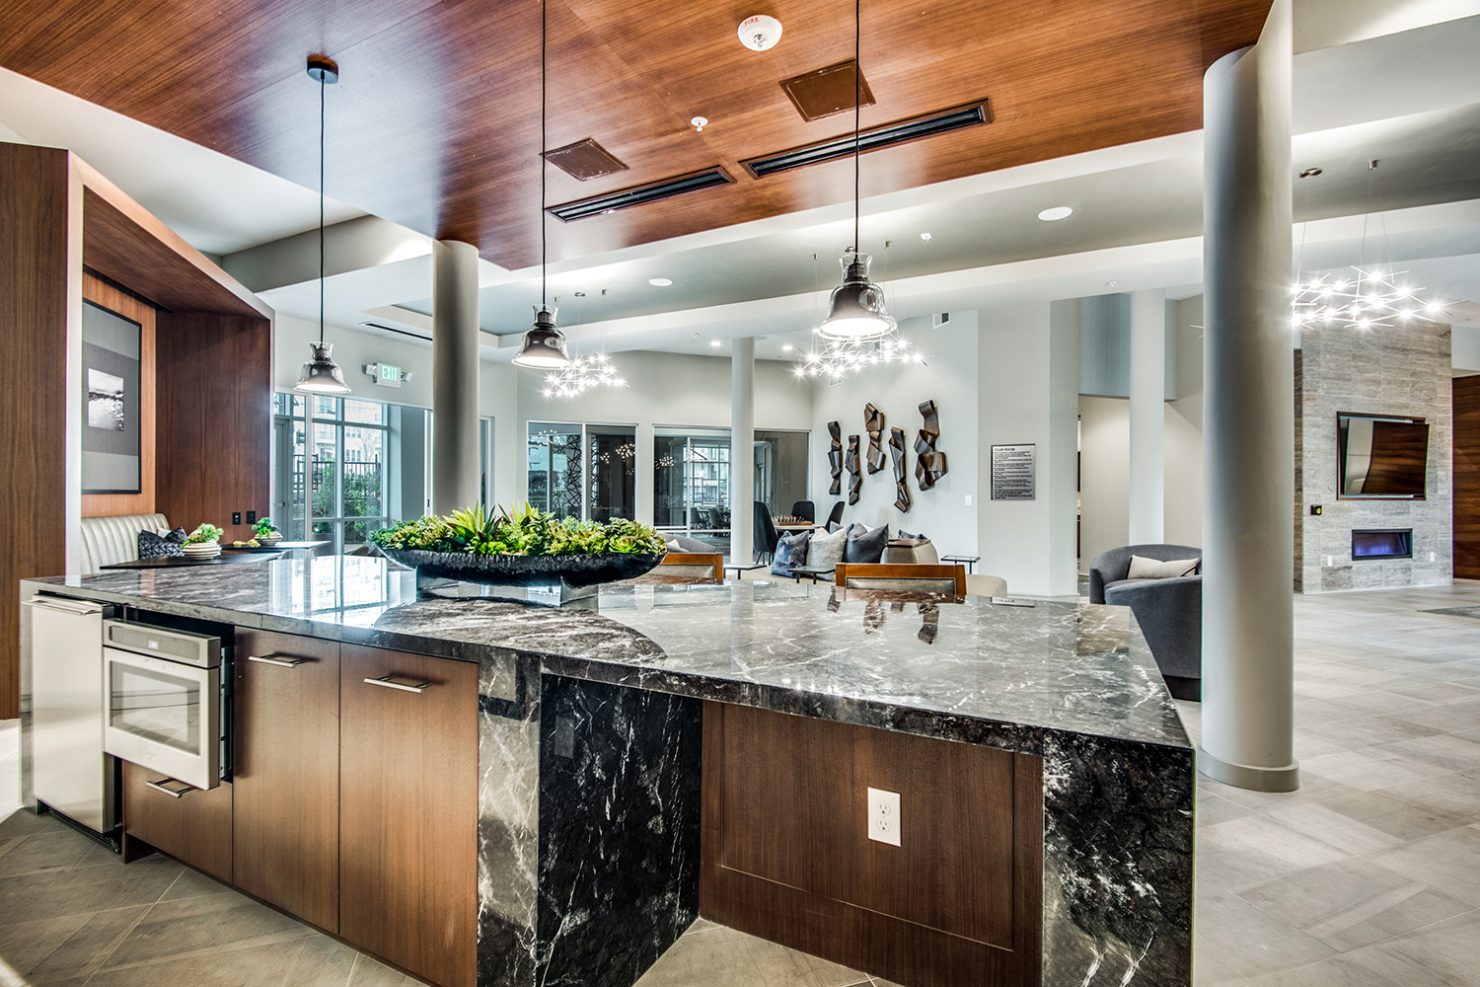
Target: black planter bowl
<point x="524" y="570"/>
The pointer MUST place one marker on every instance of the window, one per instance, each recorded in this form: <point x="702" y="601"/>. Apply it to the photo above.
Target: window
<point x="584" y="471"/>
<point x="691" y="482"/>
<point x="781" y="469"/>
<point x="331" y="478"/>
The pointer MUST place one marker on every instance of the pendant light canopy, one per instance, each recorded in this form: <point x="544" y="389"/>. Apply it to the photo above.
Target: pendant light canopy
<point x="544" y="345"/>
<point x="321" y="375"/>
<point x="857" y="308"/>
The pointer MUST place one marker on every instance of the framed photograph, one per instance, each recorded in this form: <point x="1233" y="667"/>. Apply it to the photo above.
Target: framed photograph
<point x="1014" y="472"/>
<point x="111" y="462"/>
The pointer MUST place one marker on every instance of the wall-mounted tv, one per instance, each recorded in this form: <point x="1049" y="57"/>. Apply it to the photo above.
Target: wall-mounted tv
<point x="1381" y="457"/>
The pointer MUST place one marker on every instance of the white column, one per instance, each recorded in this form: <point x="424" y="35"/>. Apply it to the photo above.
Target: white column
<point x="1248" y="497"/>
<point x="644" y="463"/>
<point x="454" y="375"/>
<point x="1148" y="417"/>
<point x="742" y="450"/>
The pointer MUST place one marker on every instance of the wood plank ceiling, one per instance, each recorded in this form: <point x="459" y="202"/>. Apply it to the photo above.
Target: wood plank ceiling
<point x="436" y="122"/>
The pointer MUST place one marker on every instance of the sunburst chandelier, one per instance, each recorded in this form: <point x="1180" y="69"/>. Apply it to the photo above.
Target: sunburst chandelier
<point x="839" y="359"/>
<point x="582" y="374"/>
<point x="1374" y="296"/>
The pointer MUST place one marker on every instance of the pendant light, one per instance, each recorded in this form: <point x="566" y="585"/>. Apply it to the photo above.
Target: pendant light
<point x="856" y="310"/>
<point x="321" y="375"/>
<point x="544" y="345"/>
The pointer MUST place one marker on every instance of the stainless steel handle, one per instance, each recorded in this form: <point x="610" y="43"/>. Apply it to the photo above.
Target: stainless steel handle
<point x="162" y="785"/>
<point x="61" y="605"/>
<point x="385" y="682"/>
<point x="279" y="660"/>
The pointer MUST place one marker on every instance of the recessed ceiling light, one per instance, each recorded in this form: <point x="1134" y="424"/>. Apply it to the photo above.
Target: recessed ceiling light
<point x="787" y="347"/>
<point x="699" y="123"/>
<point x="660" y="282"/>
<point x="1111" y="284"/>
<point x="1055" y="213"/>
<point x="715" y="344"/>
<point x="925" y="236"/>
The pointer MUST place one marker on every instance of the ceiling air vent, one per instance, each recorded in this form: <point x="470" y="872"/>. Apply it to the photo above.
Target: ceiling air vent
<point x="825" y="91"/>
<point x="585" y="160"/>
<point x="874" y="139"/>
<point x="637" y="195"/>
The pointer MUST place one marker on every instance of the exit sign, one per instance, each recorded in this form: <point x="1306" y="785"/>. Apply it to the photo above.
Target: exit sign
<point x="386" y="374"/>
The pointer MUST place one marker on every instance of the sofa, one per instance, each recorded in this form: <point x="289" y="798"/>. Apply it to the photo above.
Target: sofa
<point x="1168" y="610"/>
<point x="107" y="540"/>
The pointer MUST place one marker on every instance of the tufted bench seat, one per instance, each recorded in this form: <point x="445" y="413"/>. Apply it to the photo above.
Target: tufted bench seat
<point x="106" y="540"/>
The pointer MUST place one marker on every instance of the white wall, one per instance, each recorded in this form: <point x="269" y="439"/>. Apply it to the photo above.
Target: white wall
<point x="1029" y="384"/>
<point x="1465" y="355"/>
<point x="1105" y="478"/>
<point x="949" y="378"/>
<point x="1184" y="435"/>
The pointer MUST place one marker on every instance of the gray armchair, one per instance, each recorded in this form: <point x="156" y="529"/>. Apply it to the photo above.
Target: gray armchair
<point x="1168" y="610"/>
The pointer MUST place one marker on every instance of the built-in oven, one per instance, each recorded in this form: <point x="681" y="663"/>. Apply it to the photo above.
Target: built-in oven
<point x="168" y="702"/>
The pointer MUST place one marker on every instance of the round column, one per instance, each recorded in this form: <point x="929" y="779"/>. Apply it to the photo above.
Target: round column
<point x="1248" y="366"/>
<point x="455" y="453"/>
<point x="742" y="450"/>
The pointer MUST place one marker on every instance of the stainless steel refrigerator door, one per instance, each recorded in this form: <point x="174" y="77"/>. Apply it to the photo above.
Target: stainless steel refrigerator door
<point x="69" y="769"/>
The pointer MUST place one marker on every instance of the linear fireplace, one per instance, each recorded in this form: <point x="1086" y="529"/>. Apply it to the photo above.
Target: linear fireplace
<point x="1382" y="543"/>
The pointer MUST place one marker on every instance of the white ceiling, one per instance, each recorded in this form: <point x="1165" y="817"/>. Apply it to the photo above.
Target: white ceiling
<point x="1387" y="79"/>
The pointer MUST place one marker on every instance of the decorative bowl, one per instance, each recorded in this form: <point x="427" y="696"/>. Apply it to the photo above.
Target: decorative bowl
<point x="524" y="570"/>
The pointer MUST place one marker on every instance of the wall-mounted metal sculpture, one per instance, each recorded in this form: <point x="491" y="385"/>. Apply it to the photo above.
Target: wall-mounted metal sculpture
<point x="855" y="470"/>
<point x="835" y="457"/>
<point x="901" y="485"/>
<point x="930" y="463"/>
<point x="873" y="424"/>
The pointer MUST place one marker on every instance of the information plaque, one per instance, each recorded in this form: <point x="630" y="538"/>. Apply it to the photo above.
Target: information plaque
<point x="1013" y="472"/>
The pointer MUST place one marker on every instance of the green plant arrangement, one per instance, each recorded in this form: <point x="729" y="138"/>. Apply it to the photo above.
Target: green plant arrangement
<point x="524" y="531"/>
<point x="204" y="534"/>
<point x="264" y="528"/>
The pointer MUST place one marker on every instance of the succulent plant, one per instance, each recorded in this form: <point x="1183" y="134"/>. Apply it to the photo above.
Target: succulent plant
<point x="526" y="530"/>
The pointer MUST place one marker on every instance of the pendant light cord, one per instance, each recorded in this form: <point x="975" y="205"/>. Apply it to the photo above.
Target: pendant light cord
<point x="323" y="86"/>
<point x="857" y="110"/>
<point x="544" y="162"/>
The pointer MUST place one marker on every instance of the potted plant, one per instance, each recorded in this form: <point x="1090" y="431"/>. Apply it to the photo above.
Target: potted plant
<point x="523" y="547"/>
<point x="203" y="542"/>
<point x="266" y="532"/>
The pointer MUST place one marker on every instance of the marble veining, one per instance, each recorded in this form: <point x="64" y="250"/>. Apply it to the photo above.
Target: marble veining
<point x="589" y="741"/>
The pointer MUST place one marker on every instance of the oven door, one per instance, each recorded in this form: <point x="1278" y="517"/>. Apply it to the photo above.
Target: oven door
<point x="164" y="716"/>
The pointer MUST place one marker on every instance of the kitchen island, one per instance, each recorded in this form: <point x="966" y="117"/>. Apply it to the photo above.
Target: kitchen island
<point x="615" y="743"/>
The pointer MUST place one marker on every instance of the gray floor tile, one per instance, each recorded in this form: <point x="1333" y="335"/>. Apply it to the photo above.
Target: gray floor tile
<point x="55" y="893"/>
<point x="194" y="925"/>
<point x="1250" y="851"/>
<point x="250" y="966"/>
<point x="726" y="958"/>
<point x="1249" y="942"/>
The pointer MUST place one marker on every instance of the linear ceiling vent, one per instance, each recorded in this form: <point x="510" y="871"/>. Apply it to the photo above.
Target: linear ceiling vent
<point x="889" y="135"/>
<point x="638" y="195"/>
<point x="400" y="332"/>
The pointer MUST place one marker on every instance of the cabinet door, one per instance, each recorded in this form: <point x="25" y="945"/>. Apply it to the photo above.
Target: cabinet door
<point x="192" y="825"/>
<point x="287" y="773"/>
<point x="408" y="810"/>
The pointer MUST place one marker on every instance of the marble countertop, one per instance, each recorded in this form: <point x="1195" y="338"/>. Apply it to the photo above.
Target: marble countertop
<point x="964" y="670"/>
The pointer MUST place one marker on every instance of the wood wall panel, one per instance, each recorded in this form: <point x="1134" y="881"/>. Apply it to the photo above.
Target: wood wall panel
<point x="35" y="276"/>
<point x="109" y="296"/>
<point x="1063" y="77"/>
<point x="215" y="414"/>
<point x="786" y="854"/>
<point x="1467" y="477"/>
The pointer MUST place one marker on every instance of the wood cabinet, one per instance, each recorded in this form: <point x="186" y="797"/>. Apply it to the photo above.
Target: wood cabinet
<point x="190" y="824"/>
<point x="286" y="845"/>
<point x="786" y="853"/>
<point x="408" y="810"/>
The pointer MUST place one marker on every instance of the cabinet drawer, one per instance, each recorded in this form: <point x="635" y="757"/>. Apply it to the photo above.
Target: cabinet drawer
<point x="408" y="810"/>
<point x="286" y="840"/>
<point x="194" y="828"/>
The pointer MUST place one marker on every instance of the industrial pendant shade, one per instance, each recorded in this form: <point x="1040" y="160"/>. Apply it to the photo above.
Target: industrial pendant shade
<point x="321" y="375"/>
<point x="544" y="345"/>
<point x="856" y="310"/>
<point x="857" y="307"/>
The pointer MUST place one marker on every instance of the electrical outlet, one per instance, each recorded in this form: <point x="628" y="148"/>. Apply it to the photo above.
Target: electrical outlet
<point x="968" y="500"/>
<point x="251" y="517"/>
<point x="236" y="517"/>
<point x="883" y="816"/>
<point x="1330" y="561"/>
<point x="1431" y="556"/>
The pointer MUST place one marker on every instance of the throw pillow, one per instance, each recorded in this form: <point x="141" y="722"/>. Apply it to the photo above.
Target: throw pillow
<point x="161" y="545"/>
<point x="1143" y="568"/>
<point x="865" y="545"/>
<point x="826" y="551"/>
<point x="791" y="551"/>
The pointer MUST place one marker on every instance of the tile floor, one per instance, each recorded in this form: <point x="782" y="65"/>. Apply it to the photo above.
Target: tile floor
<point x="1369" y="876"/>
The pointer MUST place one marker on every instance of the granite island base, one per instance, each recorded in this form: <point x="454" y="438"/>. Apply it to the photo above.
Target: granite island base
<point x="601" y="776"/>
